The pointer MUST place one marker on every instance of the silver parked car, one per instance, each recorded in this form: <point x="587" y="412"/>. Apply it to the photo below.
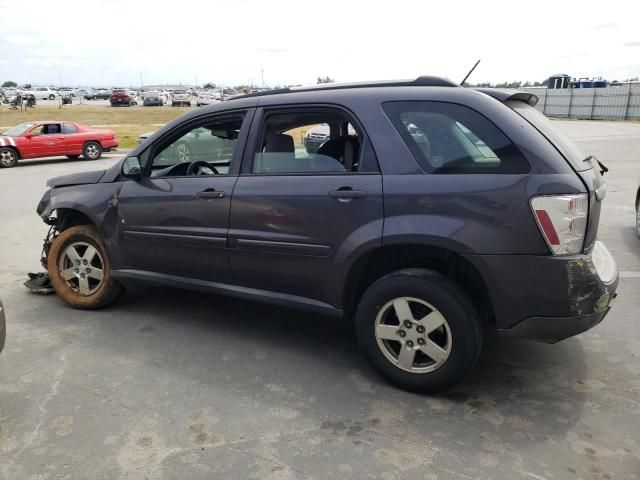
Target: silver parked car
<point x="180" y="98"/>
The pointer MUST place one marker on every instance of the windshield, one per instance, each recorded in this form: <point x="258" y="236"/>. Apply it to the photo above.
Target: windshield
<point x="18" y="130"/>
<point x="565" y="146"/>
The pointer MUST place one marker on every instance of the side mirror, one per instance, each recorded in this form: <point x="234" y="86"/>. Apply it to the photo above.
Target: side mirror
<point x="131" y="168"/>
<point x="28" y="135"/>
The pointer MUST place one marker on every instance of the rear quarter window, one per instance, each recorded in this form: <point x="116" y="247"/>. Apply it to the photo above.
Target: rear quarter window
<point x="447" y="138"/>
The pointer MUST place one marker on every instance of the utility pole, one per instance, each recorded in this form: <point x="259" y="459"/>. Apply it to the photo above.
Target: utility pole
<point x="262" y="75"/>
<point x="141" y="84"/>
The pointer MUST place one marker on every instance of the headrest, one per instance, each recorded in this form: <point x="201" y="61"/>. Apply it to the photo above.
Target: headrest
<point x="279" y="143"/>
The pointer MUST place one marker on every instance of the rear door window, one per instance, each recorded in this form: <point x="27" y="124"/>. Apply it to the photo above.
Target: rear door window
<point x="67" y="129"/>
<point x="448" y="138"/>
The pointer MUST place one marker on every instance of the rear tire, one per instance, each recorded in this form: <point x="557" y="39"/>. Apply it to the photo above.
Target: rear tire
<point x="8" y="157"/>
<point x="92" y="151"/>
<point x="52" y="97"/>
<point x="419" y="329"/>
<point x="638" y="216"/>
<point x="79" y="269"/>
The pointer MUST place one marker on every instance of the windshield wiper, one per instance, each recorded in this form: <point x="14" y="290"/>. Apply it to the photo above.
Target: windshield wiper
<point x="603" y="167"/>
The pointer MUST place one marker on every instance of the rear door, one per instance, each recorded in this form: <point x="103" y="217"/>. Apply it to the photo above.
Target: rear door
<point x="296" y="217"/>
<point x="72" y="139"/>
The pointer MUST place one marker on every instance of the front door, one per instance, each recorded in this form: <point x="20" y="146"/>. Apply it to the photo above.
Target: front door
<point x="47" y="141"/>
<point x="175" y="219"/>
<point x="301" y="209"/>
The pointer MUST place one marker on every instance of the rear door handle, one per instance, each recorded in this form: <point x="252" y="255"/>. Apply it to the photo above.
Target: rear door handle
<point x="347" y="192"/>
<point x="210" y="193"/>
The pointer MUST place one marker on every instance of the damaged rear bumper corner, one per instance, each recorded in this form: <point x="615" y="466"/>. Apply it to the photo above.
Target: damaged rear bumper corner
<point x="592" y="280"/>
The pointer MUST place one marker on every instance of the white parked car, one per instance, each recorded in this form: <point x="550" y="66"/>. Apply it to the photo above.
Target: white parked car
<point x="207" y="98"/>
<point x="10" y="92"/>
<point x="180" y="97"/>
<point x="44" y="93"/>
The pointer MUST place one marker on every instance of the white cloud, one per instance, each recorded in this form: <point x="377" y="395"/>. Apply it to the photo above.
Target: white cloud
<point x="104" y="43"/>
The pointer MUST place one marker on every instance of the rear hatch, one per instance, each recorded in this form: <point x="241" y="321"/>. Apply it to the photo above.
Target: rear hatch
<point x="586" y="166"/>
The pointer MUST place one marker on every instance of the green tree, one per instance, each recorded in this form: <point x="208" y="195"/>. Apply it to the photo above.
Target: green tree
<point x="9" y="83"/>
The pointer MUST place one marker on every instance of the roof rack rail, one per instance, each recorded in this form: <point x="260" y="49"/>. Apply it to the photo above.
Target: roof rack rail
<point x="422" y="81"/>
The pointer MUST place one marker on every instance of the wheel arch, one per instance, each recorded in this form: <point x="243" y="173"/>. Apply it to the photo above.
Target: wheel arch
<point x="68" y="216"/>
<point x="92" y="140"/>
<point x="15" y="149"/>
<point x="385" y="259"/>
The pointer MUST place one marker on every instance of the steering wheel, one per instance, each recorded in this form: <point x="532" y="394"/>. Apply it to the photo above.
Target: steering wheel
<point x="191" y="169"/>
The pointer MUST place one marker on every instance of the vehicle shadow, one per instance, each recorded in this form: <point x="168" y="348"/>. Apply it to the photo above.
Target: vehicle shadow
<point x="529" y="391"/>
<point x="59" y="160"/>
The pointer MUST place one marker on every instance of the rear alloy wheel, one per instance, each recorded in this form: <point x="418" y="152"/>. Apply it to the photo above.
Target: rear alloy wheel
<point x="52" y="97"/>
<point x="419" y="329"/>
<point x="92" y="151"/>
<point x="8" y="157"/>
<point x="638" y="217"/>
<point x="79" y="269"/>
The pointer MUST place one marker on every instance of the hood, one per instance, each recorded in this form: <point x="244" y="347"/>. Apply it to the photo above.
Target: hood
<point x="81" y="178"/>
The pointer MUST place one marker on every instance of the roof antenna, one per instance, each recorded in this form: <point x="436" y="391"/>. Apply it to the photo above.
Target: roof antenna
<point x="470" y="72"/>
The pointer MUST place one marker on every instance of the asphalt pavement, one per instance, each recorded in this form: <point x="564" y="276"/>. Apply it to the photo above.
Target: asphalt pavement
<point x="175" y="384"/>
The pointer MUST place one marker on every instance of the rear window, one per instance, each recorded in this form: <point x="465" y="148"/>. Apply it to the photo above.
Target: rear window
<point x="565" y="146"/>
<point x="448" y="138"/>
<point x="68" y="128"/>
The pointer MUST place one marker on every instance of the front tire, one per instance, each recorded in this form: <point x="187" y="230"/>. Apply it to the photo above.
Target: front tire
<point x="8" y="158"/>
<point x="92" y="151"/>
<point x="79" y="269"/>
<point x="419" y="329"/>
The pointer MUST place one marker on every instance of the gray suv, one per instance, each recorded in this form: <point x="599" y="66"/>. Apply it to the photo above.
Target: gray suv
<point x="431" y="214"/>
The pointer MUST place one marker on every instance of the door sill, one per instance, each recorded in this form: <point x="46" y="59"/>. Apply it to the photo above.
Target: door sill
<point x="238" y="291"/>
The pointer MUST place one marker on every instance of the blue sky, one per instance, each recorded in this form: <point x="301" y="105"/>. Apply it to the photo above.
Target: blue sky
<point x="228" y="42"/>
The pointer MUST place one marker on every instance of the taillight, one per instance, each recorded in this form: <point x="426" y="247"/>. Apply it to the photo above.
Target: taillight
<point x="562" y="220"/>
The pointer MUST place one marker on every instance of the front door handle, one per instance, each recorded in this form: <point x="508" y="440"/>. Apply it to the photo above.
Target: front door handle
<point x="347" y="192"/>
<point x="210" y="193"/>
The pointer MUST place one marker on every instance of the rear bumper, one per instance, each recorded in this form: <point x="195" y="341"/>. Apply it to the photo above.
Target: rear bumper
<point x="109" y="144"/>
<point x="549" y="297"/>
<point x="554" y="329"/>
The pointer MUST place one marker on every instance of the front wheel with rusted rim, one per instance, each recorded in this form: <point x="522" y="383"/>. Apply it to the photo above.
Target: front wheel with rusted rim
<point x="419" y="329"/>
<point x="8" y="157"/>
<point x="79" y="269"/>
